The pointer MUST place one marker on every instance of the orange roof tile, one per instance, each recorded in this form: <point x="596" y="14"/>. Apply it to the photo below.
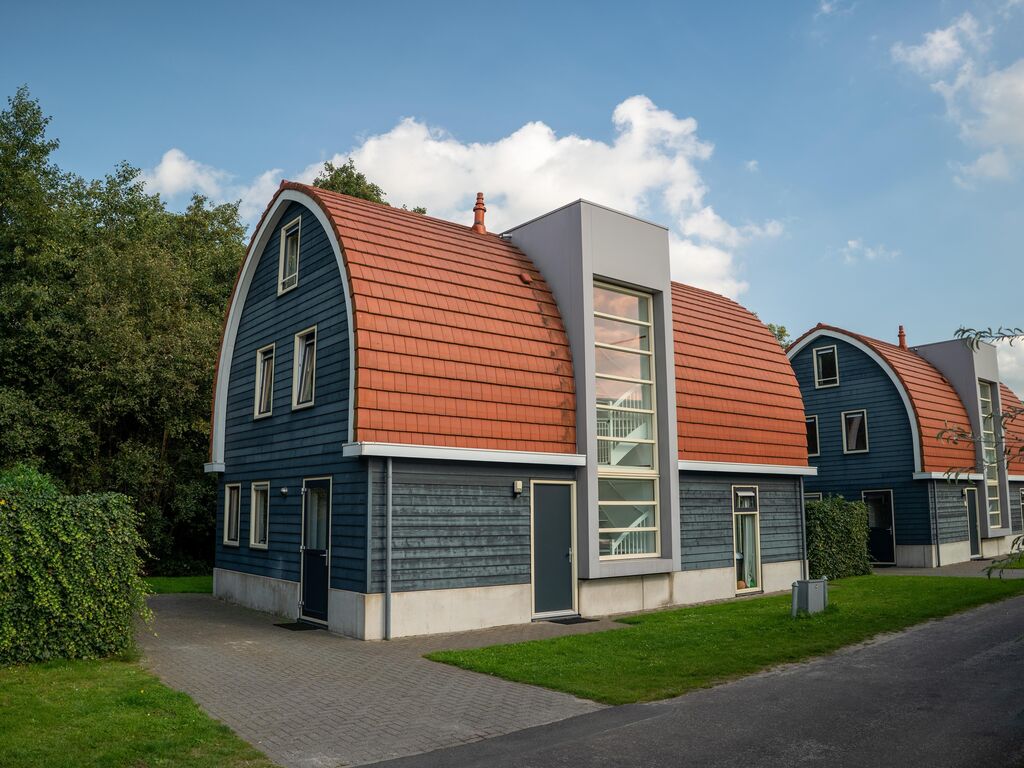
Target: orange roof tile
<point x="1013" y="429"/>
<point x="453" y="348"/>
<point x="935" y="403"/>
<point x="736" y="395"/>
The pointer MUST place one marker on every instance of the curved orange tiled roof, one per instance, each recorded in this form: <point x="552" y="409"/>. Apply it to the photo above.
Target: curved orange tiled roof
<point x="736" y="394"/>
<point x="935" y="403"/>
<point x="458" y="340"/>
<point x="1013" y="430"/>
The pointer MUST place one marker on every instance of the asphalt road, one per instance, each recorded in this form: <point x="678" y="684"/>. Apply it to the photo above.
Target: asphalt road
<point x="946" y="693"/>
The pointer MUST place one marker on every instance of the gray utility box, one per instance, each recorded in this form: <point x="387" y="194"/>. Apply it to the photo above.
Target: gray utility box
<point x="810" y="596"/>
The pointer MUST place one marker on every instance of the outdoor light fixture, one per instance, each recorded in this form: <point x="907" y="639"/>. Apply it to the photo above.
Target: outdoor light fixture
<point x="517" y="487"/>
<point x="284" y="491"/>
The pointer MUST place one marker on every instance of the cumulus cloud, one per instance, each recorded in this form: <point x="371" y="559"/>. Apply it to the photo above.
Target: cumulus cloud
<point x="856" y="251"/>
<point x="828" y="8"/>
<point x="177" y="174"/>
<point x="1011" y="365"/>
<point x="752" y="165"/>
<point x="649" y="168"/>
<point x="984" y="102"/>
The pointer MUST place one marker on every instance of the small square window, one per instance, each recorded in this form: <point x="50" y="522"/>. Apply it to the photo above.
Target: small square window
<point x="304" y="368"/>
<point x="264" y="405"/>
<point x="288" y="269"/>
<point x="826" y="367"/>
<point x="812" y="497"/>
<point x="232" y="504"/>
<point x="812" y="436"/>
<point x="259" y="519"/>
<point x="745" y="498"/>
<point x="855" y="431"/>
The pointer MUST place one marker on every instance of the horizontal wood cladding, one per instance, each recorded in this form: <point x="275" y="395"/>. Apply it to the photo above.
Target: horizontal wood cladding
<point x="889" y="462"/>
<point x="1017" y="521"/>
<point x="288" y="446"/>
<point x="454" y="524"/>
<point x="706" y="518"/>
<point x="950" y="511"/>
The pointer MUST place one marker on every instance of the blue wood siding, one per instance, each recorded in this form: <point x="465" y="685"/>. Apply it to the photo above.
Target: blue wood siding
<point x="454" y="524"/>
<point x="706" y="518"/>
<point x="889" y="463"/>
<point x="289" y="446"/>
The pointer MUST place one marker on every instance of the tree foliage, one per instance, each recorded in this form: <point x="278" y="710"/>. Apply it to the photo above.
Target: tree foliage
<point x="111" y="308"/>
<point x="780" y="333"/>
<point x="347" y="180"/>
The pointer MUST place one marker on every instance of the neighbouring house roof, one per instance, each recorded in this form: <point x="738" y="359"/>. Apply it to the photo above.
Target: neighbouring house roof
<point x="933" y="400"/>
<point x="736" y="394"/>
<point x="458" y="339"/>
<point x="1014" y="429"/>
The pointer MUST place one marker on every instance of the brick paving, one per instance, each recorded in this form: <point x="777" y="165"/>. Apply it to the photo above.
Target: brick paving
<point x="313" y="700"/>
<point x="973" y="568"/>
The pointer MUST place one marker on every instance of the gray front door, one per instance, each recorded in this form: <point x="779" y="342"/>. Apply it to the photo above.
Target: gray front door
<point x="972" y="521"/>
<point x="553" y="583"/>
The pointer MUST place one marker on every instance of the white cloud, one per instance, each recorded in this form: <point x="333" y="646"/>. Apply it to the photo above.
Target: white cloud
<point x="1011" y="365"/>
<point x="752" y="165"/>
<point x="856" y="251"/>
<point x="649" y="168"/>
<point x="985" y="103"/>
<point x="828" y="8"/>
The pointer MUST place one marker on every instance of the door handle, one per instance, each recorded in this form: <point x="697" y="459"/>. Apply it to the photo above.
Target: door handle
<point x="569" y="554"/>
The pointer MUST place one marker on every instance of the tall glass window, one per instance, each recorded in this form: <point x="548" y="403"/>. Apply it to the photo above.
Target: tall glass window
<point x="990" y="453"/>
<point x="745" y="513"/>
<point x="627" y="455"/>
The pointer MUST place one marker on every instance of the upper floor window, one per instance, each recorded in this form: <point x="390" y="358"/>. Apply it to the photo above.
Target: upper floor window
<point x="826" y="367"/>
<point x="990" y="454"/>
<point x="855" y="431"/>
<point x="232" y="505"/>
<point x="304" y="369"/>
<point x="288" y="267"/>
<point x="812" y="436"/>
<point x="627" y="468"/>
<point x="264" y="381"/>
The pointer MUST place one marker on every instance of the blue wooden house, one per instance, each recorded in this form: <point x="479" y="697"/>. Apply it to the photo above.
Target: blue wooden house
<point x="423" y="427"/>
<point x="878" y="420"/>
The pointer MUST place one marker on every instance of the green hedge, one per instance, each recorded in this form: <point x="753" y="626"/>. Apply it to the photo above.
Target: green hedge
<point x="70" y="584"/>
<point x="837" y="538"/>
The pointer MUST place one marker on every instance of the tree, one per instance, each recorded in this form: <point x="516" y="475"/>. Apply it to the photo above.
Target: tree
<point x="347" y="180"/>
<point x="111" y="308"/>
<point x="780" y="333"/>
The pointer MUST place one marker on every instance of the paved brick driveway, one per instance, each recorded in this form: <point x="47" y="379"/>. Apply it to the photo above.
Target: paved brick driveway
<point x="315" y="699"/>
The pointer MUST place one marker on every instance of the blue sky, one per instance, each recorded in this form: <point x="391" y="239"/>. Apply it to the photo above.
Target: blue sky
<point x="856" y="163"/>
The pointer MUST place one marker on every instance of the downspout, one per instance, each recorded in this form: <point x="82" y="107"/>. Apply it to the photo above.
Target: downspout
<point x="387" y="558"/>
<point x="935" y="522"/>
<point x="369" y="525"/>
<point x="803" y="533"/>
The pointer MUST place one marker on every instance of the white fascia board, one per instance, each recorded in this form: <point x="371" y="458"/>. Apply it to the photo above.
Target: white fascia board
<point x="794" y="350"/>
<point x="213" y="466"/>
<point x="405" y="451"/>
<point x="760" y="469"/>
<point x="1015" y="478"/>
<point x="948" y="476"/>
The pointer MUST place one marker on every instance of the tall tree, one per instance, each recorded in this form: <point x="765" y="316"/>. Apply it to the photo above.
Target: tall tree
<point x="349" y="181"/>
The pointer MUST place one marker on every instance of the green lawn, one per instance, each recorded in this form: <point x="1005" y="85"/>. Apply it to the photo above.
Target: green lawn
<point x="85" y="714"/>
<point x="670" y="652"/>
<point x="166" y="585"/>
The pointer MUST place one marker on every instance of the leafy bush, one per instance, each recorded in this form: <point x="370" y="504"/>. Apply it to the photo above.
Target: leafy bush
<point x="70" y="584"/>
<point x="837" y="538"/>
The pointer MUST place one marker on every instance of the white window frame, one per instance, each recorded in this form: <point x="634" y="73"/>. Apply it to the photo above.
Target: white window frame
<point x="286" y="230"/>
<point x="264" y="485"/>
<point x="990" y="442"/>
<point x="632" y="473"/>
<point x="812" y="496"/>
<point x="817" y="436"/>
<point x="296" y="371"/>
<point x="237" y="488"/>
<point x="756" y="513"/>
<point x="842" y="423"/>
<point x="256" y="414"/>
<point x="817" y="381"/>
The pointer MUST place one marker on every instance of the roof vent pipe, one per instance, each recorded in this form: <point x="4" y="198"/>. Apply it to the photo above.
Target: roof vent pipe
<point x="478" y="214"/>
<point x="903" y="338"/>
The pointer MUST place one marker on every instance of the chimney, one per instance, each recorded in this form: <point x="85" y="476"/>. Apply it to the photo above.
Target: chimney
<point x="478" y="214"/>
<point x="903" y="338"/>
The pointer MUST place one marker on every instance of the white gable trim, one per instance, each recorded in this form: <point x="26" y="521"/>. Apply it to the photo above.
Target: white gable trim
<point x="405" y="451"/>
<point x="798" y="347"/>
<point x="952" y="475"/>
<point x="760" y="469"/>
<point x="227" y="348"/>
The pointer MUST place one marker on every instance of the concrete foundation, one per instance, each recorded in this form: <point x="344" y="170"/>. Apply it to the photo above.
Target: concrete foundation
<point x="260" y="593"/>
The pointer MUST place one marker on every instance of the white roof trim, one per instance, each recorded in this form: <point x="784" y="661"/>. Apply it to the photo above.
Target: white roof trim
<point x="760" y="469"/>
<point x="1015" y="478"/>
<point x="213" y="466"/>
<point x="948" y="476"/>
<point x="405" y="451"/>
<point x="227" y="349"/>
<point x="794" y="350"/>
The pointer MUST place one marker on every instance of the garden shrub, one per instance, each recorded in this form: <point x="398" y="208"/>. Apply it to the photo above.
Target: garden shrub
<point x="70" y="584"/>
<point x="837" y="538"/>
